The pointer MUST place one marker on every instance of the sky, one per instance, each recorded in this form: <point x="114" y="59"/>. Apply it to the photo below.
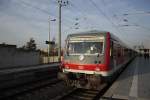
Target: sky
<point x="21" y="20"/>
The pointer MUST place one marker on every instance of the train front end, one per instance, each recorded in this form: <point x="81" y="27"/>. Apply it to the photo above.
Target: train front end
<point x="84" y="61"/>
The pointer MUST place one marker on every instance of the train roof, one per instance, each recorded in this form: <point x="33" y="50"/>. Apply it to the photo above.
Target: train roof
<point x="97" y="33"/>
<point x="92" y="32"/>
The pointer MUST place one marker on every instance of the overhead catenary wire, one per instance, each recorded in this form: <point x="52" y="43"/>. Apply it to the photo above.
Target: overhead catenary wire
<point x="85" y="15"/>
<point x="79" y="18"/>
<point x="105" y="16"/>
<point x="116" y="22"/>
<point x="66" y="22"/>
<point x="108" y="19"/>
<point x="82" y="15"/>
<point x="101" y="12"/>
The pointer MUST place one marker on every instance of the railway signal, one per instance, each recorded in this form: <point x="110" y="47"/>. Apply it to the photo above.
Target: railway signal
<point x="50" y="42"/>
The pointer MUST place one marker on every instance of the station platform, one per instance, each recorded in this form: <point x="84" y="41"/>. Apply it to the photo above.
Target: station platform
<point x="133" y="83"/>
<point x="30" y="68"/>
<point x="17" y="76"/>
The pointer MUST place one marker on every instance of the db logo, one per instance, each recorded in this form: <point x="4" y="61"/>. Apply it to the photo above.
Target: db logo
<point x="81" y="57"/>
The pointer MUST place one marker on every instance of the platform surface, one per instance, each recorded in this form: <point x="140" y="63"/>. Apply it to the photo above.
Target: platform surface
<point x="133" y="83"/>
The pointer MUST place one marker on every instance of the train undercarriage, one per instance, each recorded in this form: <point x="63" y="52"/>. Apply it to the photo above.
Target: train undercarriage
<point x="80" y="80"/>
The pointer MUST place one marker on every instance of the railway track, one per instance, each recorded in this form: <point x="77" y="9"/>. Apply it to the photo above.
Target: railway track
<point x="18" y="81"/>
<point x="83" y="94"/>
<point x="22" y="89"/>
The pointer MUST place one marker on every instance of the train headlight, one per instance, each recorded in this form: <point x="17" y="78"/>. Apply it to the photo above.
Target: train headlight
<point x="67" y="67"/>
<point x="97" y="69"/>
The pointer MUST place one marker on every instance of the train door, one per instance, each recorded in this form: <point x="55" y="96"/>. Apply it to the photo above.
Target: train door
<point x="111" y="54"/>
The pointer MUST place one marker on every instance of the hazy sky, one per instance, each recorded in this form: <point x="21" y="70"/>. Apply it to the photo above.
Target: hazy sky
<point x="23" y="19"/>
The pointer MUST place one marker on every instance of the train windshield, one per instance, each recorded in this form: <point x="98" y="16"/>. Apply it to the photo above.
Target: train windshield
<point x="85" y="47"/>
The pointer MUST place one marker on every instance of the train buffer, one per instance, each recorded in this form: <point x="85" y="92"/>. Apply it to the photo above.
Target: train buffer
<point x="133" y="83"/>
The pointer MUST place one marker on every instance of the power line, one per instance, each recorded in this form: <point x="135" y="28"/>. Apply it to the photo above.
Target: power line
<point x="83" y="14"/>
<point x="101" y="12"/>
<point x="135" y="24"/>
<point x="119" y="19"/>
<point x="137" y="13"/>
<point x="42" y="10"/>
<point x="35" y="7"/>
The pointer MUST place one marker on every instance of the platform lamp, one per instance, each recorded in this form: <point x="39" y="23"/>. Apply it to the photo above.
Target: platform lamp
<point x="49" y="42"/>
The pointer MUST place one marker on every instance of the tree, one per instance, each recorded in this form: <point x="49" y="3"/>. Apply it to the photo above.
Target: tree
<point x="31" y="45"/>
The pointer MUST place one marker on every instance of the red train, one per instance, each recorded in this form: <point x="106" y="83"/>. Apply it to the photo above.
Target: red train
<point x="93" y="57"/>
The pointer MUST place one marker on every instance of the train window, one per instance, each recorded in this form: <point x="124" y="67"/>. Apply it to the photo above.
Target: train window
<point x="111" y="49"/>
<point x="86" y="47"/>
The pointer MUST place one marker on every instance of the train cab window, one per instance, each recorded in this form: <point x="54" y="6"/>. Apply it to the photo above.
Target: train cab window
<point x="95" y="47"/>
<point x="86" y="47"/>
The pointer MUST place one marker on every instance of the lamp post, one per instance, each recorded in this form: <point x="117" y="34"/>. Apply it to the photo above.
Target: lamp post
<point x="49" y="41"/>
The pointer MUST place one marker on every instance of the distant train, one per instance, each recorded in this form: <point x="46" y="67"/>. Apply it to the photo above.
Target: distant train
<point x="93" y="57"/>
